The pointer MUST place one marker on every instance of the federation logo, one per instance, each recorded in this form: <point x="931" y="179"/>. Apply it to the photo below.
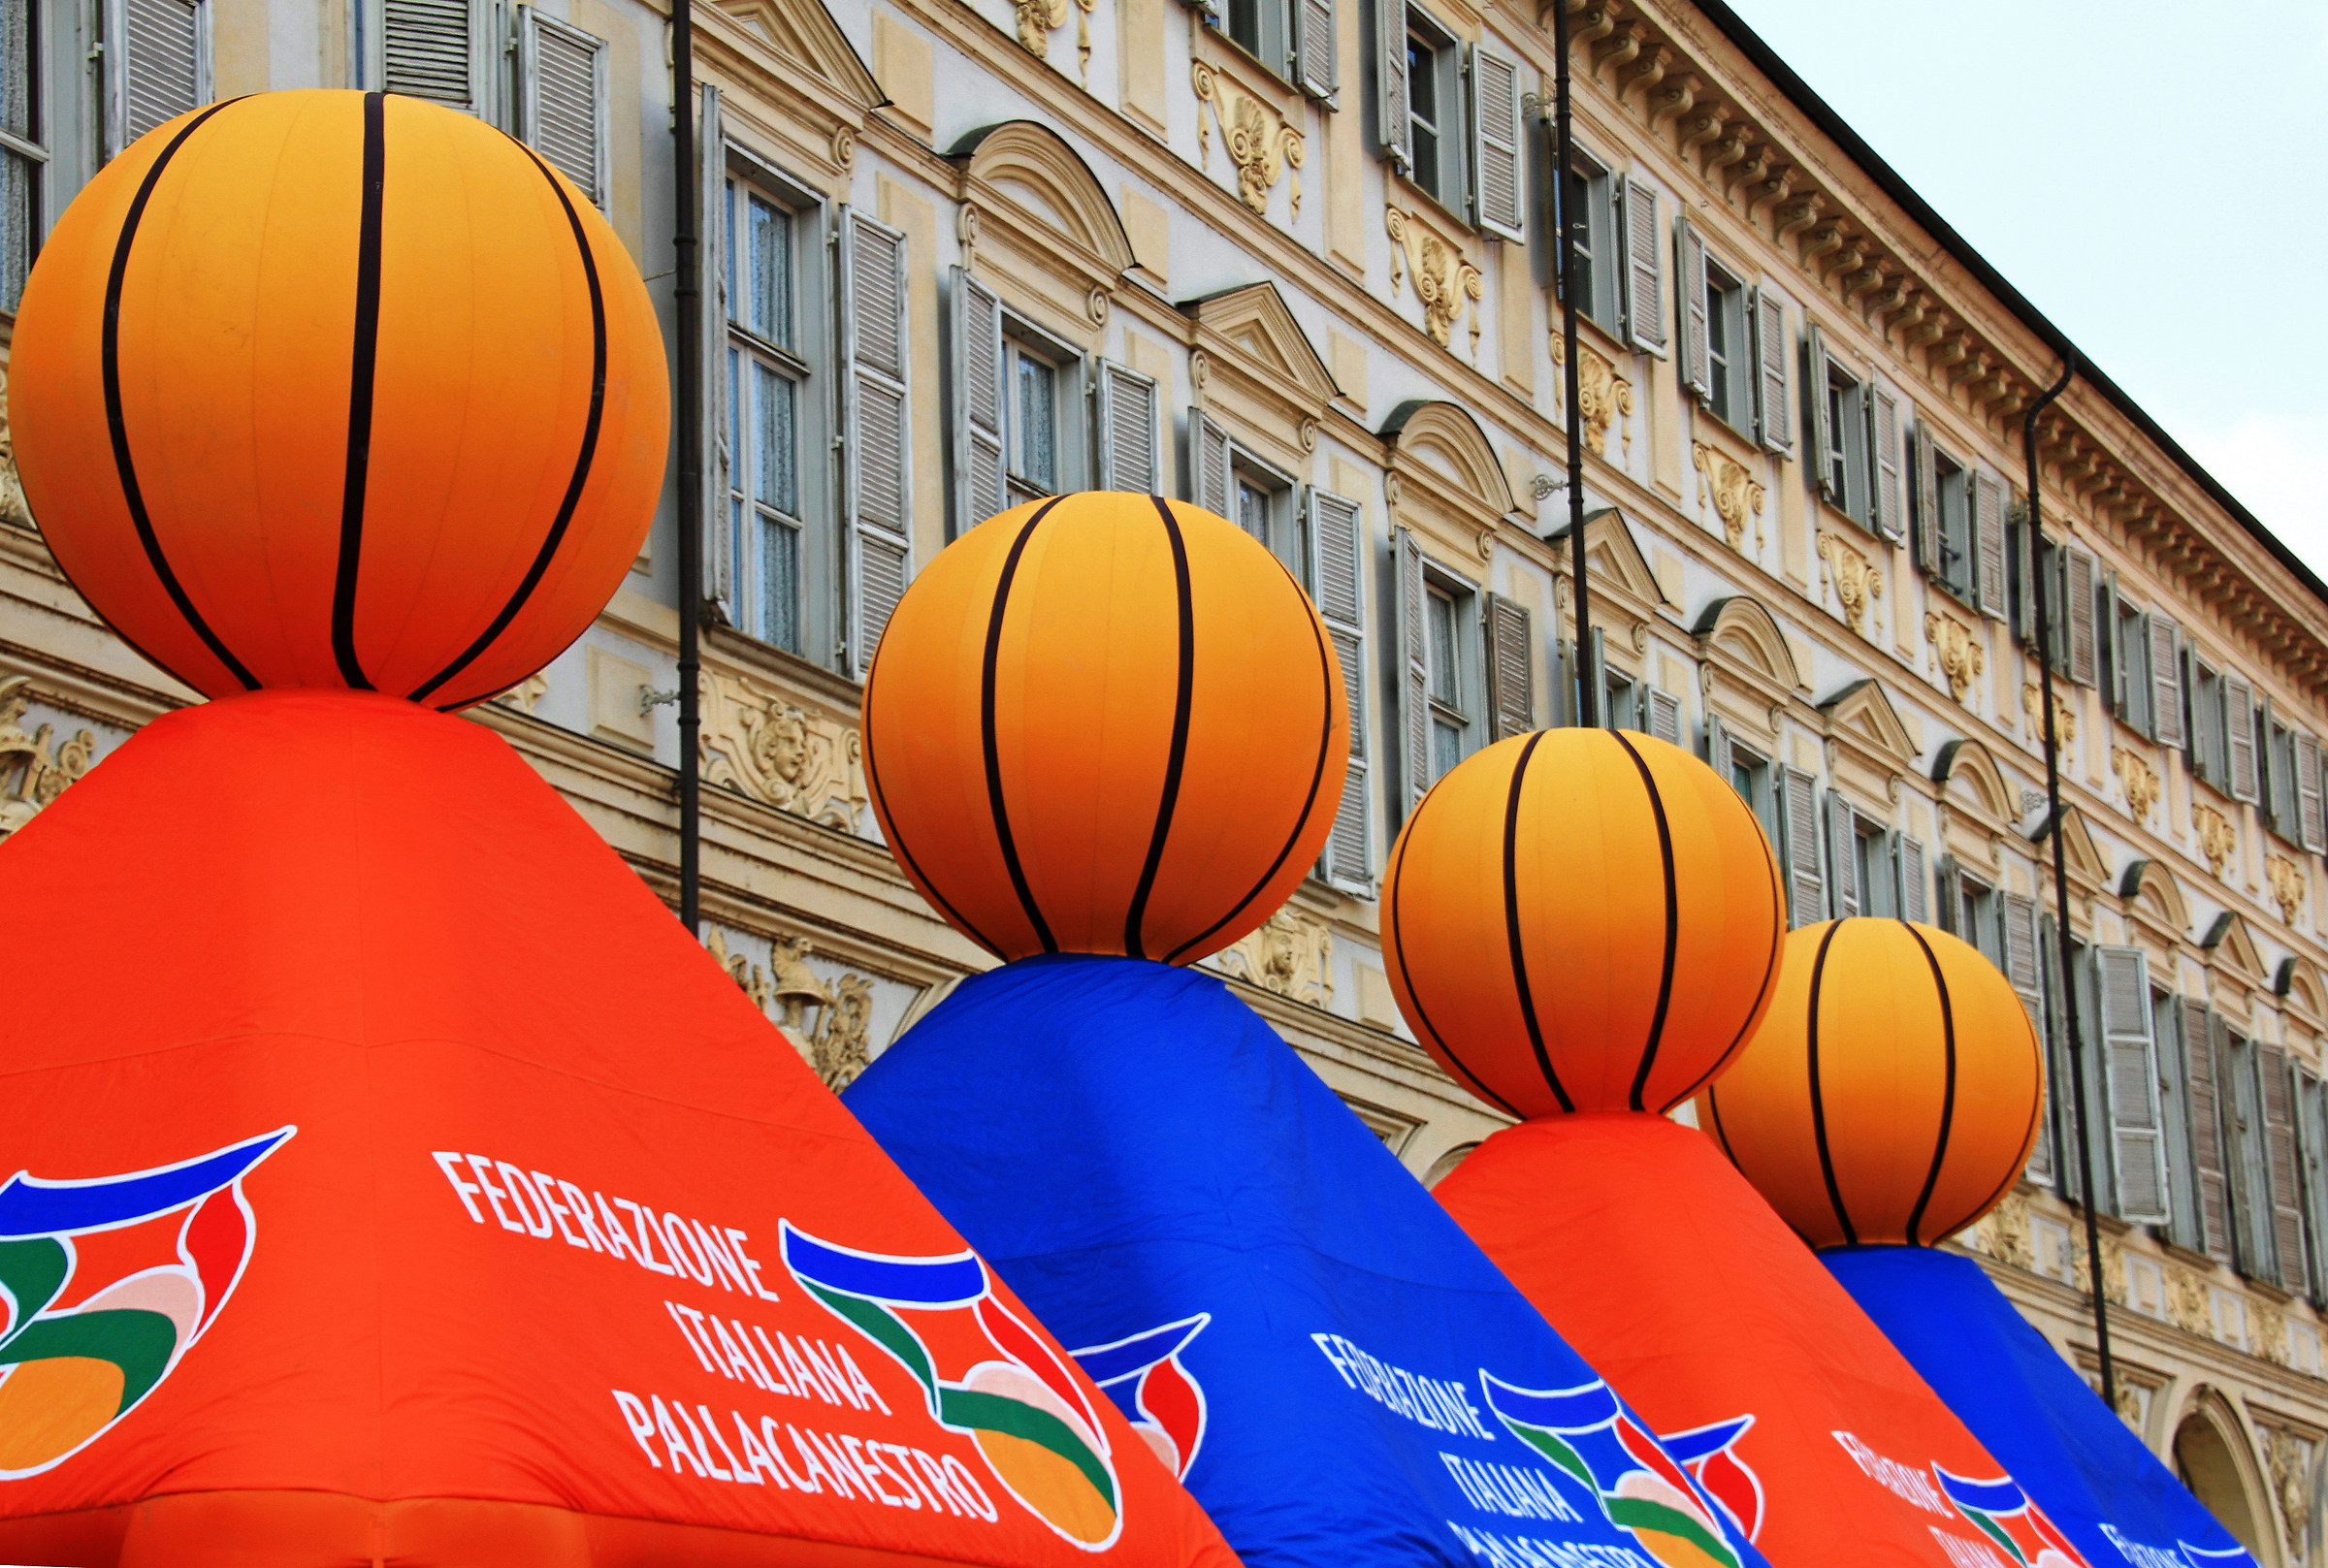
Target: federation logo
<point x="1012" y="1397"/>
<point x="1584" y="1432"/>
<point x="1711" y="1455"/>
<point x="2005" y="1514"/>
<point x="2216" y="1556"/>
<point x="1158" y="1396"/>
<point x="69" y="1371"/>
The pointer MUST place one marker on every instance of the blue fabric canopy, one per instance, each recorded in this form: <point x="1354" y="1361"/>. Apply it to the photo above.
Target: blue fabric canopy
<point x="1338" y="1373"/>
<point x="2076" y="1459"/>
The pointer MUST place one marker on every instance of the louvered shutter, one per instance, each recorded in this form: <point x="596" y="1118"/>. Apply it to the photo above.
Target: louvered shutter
<point x="1890" y="493"/>
<point x="1210" y="477"/>
<point x="2078" y="611"/>
<point x="2023" y="584"/>
<point x="1924" y="474"/>
<point x="2312" y="1138"/>
<point x="2023" y="971"/>
<point x="2183" y="1225"/>
<point x="716" y="430"/>
<point x="1688" y="248"/>
<point x="2283" y="1168"/>
<point x="1820" y="425"/>
<point x="1843" y="858"/>
<point x="1717" y="750"/>
<point x="1988" y="546"/>
<point x="562" y="99"/>
<point x="434" y="49"/>
<point x="978" y="392"/>
<point x="2130" y="1058"/>
<point x="2252" y="1246"/>
<point x="157" y="65"/>
<point x="1392" y="124"/>
<point x="876" y="449"/>
<point x="1414" y="672"/>
<point x="1665" y="715"/>
<point x="1130" y="442"/>
<point x="2239" y="733"/>
<point x="1498" y="203"/>
<point x="2201" y="1074"/>
<point x="1773" y="416"/>
<point x="2309" y="828"/>
<point x="1914" y="895"/>
<point x="1644" y="266"/>
<point x="1510" y="666"/>
<point x="1315" y="67"/>
<point x="1799" y="814"/>
<point x="1951" y="904"/>
<point x="1337" y="565"/>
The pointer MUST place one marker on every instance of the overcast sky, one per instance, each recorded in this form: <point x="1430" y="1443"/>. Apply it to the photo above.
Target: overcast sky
<point x="2158" y="188"/>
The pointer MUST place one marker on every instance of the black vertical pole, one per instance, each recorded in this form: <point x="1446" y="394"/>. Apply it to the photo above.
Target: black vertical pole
<point x="687" y="296"/>
<point x="1587" y="701"/>
<point x="2058" y="832"/>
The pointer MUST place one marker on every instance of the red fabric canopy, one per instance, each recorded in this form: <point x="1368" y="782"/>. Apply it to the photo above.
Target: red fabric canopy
<point x="1654" y="1258"/>
<point x="399" y="1182"/>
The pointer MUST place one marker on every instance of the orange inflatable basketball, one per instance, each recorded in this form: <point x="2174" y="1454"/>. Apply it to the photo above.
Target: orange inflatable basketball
<point x="1890" y="1094"/>
<point x="339" y="389"/>
<point x="1582" y="921"/>
<point x="1106" y="724"/>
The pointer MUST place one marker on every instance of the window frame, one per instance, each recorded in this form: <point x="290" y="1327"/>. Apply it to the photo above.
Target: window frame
<point x="1466" y="716"/>
<point x="1952" y="529"/>
<point x="36" y="150"/>
<point x="1285" y="529"/>
<point x="1071" y="387"/>
<point x="1599" y="244"/>
<point x="1450" y="121"/>
<point x="1732" y="401"/>
<point x="1272" y="43"/>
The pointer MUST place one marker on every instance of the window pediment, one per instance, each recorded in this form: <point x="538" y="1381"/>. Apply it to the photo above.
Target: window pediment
<point x="2231" y="949"/>
<point x="2082" y="857"/>
<point x="2299" y="984"/>
<point x="2154" y="897"/>
<point x="1869" y="739"/>
<point x="1971" y="781"/>
<point x="792" y="54"/>
<point x="1031" y="195"/>
<point x="1742" y="635"/>
<point x="1255" y="359"/>
<point x="1442" y="469"/>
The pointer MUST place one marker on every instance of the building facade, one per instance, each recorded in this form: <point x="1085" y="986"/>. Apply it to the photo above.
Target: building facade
<point x="1290" y="259"/>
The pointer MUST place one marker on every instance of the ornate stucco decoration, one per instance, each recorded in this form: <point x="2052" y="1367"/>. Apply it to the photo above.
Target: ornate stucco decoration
<point x="1443" y="280"/>
<point x="1858" y="582"/>
<point x="2004" y="1233"/>
<point x="1602" y="394"/>
<point x="1959" y="653"/>
<point x="2267" y="1332"/>
<point x="2186" y="1303"/>
<point x="1290" y="955"/>
<point x="2217" y="837"/>
<point x="760" y="746"/>
<point x="2287" y="885"/>
<point x="1735" y="493"/>
<point x="526" y="693"/>
<point x="2032" y="706"/>
<point x="2138" y="779"/>
<point x="34" y="770"/>
<point x="836" y="1043"/>
<point x="1258" y="141"/>
<point x="13" y="508"/>
<point x="2289" y="1455"/>
<point x="1036" y="20"/>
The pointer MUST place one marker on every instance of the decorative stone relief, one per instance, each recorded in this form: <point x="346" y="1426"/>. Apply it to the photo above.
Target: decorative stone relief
<point x="527" y="692"/>
<point x="1258" y="141"/>
<point x="1858" y="582"/>
<point x="2187" y="1303"/>
<point x="1602" y="394"/>
<point x="2138" y="779"/>
<point x="759" y="745"/>
<point x="1290" y="955"/>
<point x="1036" y="20"/>
<point x="2032" y="707"/>
<point x="1735" y="493"/>
<point x="1443" y="280"/>
<point x="1959" y="653"/>
<point x="2287" y="885"/>
<point x="2289" y="1455"/>
<point x="13" y="508"/>
<point x="33" y="772"/>
<point x="836" y="1043"/>
<point x="2004" y="1235"/>
<point x="2267" y="1333"/>
<point x="2217" y="837"/>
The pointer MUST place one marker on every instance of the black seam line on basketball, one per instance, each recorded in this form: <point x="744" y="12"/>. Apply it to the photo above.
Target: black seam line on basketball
<point x="1827" y="1162"/>
<point x="992" y="746"/>
<point x="1664" y="980"/>
<point x="1318" y="778"/>
<point x="1512" y="925"/>
<point x="363" y="365"/>
<point x="590" y="427"/>
<point x="1414" y="991"/>
<point x="1778" y="910"/>
<point x="1176" y="759"/>
<point x="1948" y="1092"/>
<point x="881" y="802"/>
<point x="116" y="422"/>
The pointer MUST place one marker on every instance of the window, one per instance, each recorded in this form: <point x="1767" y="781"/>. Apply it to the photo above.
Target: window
<point x="1719" y="331"/>
<point x="1450" y="117"/>
<point x="562" y="99"/>
<point x="2225" y="720"/>
<point x="1841" y="461"/>
<point x="1443" y="687"/>
<point x="1450" y="705"/>
<point x="1727" y="368"/>
<point x="1589" y="195"/>
<point x="1265" y="509"/>
<point x="1952" y="523"/>
<point x="1030" y="421"/>
<point x="1259" y="27"/>
<point x="24" y="146"/>
<point x="766" y="385"/>
<point x="436" y="49"/>
<point x="1291" y="38"/>
<point x="2292" y="785"/>
<point x="2128" y="680"/>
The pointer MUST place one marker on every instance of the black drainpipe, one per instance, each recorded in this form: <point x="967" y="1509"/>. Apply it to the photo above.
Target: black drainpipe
<point x="1587" y="701"/>
<point x="687" y="298"/>
<point x="2057" y="831"/>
